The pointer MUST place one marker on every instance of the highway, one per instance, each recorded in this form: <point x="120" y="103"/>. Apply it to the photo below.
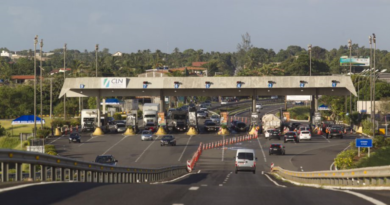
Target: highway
<point x="212" y="182"/>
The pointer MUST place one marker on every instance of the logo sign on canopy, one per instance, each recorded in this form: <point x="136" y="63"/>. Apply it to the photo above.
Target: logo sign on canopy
<point x="113" y="82"/>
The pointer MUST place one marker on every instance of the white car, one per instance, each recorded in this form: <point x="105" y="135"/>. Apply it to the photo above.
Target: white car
<point x="224" y="102"/>
<point x="305" y="135"/>
<point x="146" y="135"/>
<point x="246" y="160"/>
<point x="201" y="114"/>
<point x="266" y="133"/>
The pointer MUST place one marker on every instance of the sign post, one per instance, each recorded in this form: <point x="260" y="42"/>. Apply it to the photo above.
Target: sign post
<point x="365" y="143"/>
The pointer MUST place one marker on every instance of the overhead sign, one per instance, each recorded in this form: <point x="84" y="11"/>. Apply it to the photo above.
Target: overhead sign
<point x="298" y="98"/>
<point x="363" y="143"/>
<point x="354" y="61"/>
<point x="113" y="82"/>
<point x="323" y="107"/>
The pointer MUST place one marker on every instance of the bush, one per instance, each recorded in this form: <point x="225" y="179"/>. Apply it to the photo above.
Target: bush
<point x="75" y="122"/>
<point x="387" y="141"/>
<point x="380" y="157"/>
<point x="118" y="116"/>
<point x="344" y="160"/>
<point x="41" y="133"/>
<point x="224" y="127"/>
<point x="139" y="113"/>
<point x="2" y="130"/>
<point x="50" y="149"/>
<point x="9" y="142"/>
<point x="57" y="122"/>
<point x="379" y="141"/>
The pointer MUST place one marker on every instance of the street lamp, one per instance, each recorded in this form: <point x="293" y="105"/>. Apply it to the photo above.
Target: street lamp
<point x="35" y="85"/>
<point x="370" y="41"/>
<point x="40" y="80"/>
<point x="309" y="48"/>
<point x="374" y="80"/>
<point x="64" y="80"/>
<point x="350" y="72"/>
<point x="96" y="52"/>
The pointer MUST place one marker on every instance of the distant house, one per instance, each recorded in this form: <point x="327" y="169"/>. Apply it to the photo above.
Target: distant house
<point x="192" y="70"/>
<point x="60" y="70"/>
<point x="22" y="79"/>
<point x="117" y="54"/>
<point x="5" y="54"/>
<point x="198" y="64"/>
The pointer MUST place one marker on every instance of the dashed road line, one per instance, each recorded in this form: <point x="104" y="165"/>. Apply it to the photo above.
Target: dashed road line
<point x="114" y="145"/>
<point x="193" y="188"/>
<point x="265" y="159"/>
<point x="146" y="149"/>
<point x="325" y="138"/>
<point x="56" y="139"/>
<point x="189" y="139"/>
<point x="223" y="148"/>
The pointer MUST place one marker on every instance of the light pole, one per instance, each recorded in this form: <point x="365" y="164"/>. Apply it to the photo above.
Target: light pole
<point x="374" y="79"/>
<point x="40" y="80"/>
<point x="309" y="48"/>
<point x="64" y="80"/>
<point x="370" y="41"/>
<point x="350" y="73"/>
<point x="35" y="85"/>
<point x="96" y="52"/>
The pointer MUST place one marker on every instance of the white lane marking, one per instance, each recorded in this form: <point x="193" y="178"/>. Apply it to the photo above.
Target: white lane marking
<point x="331" y="166"/>
<point x="199" y="171"/>
<point x="146" y="149"/>
<point x="28" y="185"/>
<point x="114" y="145"/>
<point x="325" y="138"/>
<point x="265" y="160"/>
<point x="189" y="139"/>
<point x="177" y="204"/>
<point x="274" y="181"/>
<point x="194" y="188"/>
<point x="220" y="184"/>
<point x="56" y="139"/>
<point x="223" y="147"/>
<point x="92" y="137"/>
<point x="362" y="196"/>
<point x="164" y="182"/>
<point x="203" y="185"/>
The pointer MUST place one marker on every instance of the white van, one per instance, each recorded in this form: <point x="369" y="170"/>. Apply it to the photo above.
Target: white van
<point x="246" y="160"/>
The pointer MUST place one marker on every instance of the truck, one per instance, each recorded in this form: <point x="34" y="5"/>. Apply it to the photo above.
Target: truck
<point x="89" y="120"/>
<point x="192" y="118"/>
<point x="178" y="120"/>
<point x="132" y="120"/>
<point x="270" y="121"/>
<point x="150" y="112"/>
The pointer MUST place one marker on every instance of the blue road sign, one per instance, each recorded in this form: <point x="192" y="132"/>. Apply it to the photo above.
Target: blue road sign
<point x="238" y="85"/>
<point x="334" y="84"/>
<point x="176" y="85"/>
<point x="207" y="85"/>
<point x="82" y="86"/>
<point x="145" y="85"/>
<point x="363" y="142"/>
<point x="302" y="85"/>
<point x="270" y="85"/>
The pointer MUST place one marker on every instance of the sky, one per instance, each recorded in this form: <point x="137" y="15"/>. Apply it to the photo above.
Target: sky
<point x="211" y="25"/>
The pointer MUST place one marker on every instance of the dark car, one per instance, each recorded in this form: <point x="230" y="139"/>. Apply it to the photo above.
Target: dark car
<point x="106" y="159"/>
<point x="168" y="140"/>
<point x="291" y="136"/>
<point x="210" y="126"/>
<point x="88" y="127"/>
<point x="238" y="126"/>
<point x="151" y="126"/>
<point x="294" y="126"/>
<point x="74" y="137"/>
<point x="274" y="134"/>
<point x="277" y="149"/>
<point x="336" y="132"/>
<point x="181" y="126"/>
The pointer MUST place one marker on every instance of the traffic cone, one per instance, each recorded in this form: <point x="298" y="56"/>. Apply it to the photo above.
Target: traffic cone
<point x="57" y="132"/>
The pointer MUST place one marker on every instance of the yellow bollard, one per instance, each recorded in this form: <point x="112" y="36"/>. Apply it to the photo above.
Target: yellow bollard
<point x="97" y="132"/>
<point x="223" y="131"/>
<point x="57" y="132"/>
<point x="161" y="131"/>
<point x="192" y="131"/>
<point x="129" y="132"/>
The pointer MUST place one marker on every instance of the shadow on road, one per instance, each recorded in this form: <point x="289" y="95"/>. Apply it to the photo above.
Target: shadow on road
<point x="193" y="178"/>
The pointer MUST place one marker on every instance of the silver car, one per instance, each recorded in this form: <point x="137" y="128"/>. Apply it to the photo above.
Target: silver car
<point x="146" y="135"/>
<point x="120" y="127"/>
<point x="201" y="114"/>
<point x="215" y="119"/>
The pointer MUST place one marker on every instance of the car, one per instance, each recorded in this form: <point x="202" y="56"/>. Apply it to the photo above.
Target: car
<point x="146" y="135"/>
<point x="245" y="160"/>
<point x="151" y="126"/>
<point x="274" y="134"/>
<point x="207" y="121"/>
<point x="238" y="126"/>
<point x="305" y="135"/>
<point x="291" y="136"/>
<point x="233" y="100"/>
<point x="168" y="140"/>
<point x="74" y="137"/>
<point x="120" y="127"/>
<point x="224" y="102"/>
<point x="88" y="127"/>
<point x="210" y="126"/>
<point x="303" y="128"/>
<point x="336" y="132"/>
<point x="201" y="114"/>
<point x="205" y="110"/>
<point x="207" y="103"/>
<point x="106" y="159"/>
<point x="112" y="126"/>
<point x="277" y="149"/>
<point x="215" y="118"/>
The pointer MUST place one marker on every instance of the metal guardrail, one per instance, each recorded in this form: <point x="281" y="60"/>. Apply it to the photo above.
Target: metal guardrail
<point x="368" y="176"/>
<point x="54" y="168"/>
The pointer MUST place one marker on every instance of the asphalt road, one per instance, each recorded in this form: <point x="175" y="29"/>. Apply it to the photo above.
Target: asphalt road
<point x="212" y="182"/>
